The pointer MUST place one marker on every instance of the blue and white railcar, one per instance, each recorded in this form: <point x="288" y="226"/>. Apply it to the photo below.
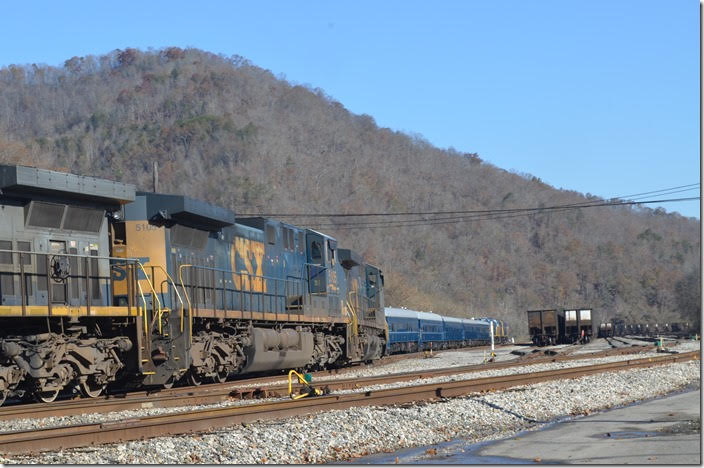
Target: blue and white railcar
<point x="476" y="332"/>
<point x="404" y="330"/>
<point x="432" y="334"/>
<point x="454" y="332"/>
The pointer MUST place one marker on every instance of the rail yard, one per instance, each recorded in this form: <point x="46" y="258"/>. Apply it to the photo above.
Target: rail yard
<point x="388" y="406"/>
<point x="141" y="327"/>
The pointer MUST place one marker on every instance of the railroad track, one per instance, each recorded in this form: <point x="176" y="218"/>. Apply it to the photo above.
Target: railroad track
<point x="210" y="419"/>
<point x="263" y="387"/>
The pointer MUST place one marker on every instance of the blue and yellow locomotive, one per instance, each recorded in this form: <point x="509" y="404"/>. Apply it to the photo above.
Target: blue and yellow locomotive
<point x="100" y="284"/>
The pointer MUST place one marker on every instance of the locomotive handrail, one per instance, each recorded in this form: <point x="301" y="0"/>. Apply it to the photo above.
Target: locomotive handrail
<point x="175" y="290"/>
<point x="190" y="309"/>
<point x="98" y="257"/>
<point x="154" y="295"/>
<point x="144" y="312"/>
<point x="24" y="257"/>
<point x="249" y="277"/>
<point x="353" y="316"/>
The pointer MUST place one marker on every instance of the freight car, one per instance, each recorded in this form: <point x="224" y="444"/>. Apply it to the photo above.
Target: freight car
<point x="411" y="331"/>
<point x="606" y="330"/>
<point x="578" y="325"/>
<point x="102" y="284"/>
<point x="546" y="327"/>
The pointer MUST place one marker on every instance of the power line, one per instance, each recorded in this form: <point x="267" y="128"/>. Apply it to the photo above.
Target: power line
<point x="485" y="216"/>
<point x="665" y="191"/>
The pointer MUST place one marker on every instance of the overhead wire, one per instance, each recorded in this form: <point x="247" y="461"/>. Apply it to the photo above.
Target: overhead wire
<point x="481" y="217"/>
<point x="482" y="214"/>
<point x="665" y="191"/>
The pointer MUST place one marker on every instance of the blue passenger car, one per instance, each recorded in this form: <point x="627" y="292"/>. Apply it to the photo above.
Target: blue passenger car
<point x="432" y="333"/>
<point x="476" y="332"/>
<point x="454" y="332"/>
<point x="404" y="330"/>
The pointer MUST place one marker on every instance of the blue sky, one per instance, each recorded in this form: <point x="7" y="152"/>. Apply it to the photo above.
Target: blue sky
<point x="598" y="96"/>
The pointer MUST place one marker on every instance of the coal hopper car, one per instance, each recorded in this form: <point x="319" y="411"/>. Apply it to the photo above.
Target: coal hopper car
<point x="578" y="325"/>
<point x="546" y="327"/>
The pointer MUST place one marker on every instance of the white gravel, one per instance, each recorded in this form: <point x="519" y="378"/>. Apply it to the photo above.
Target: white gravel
<point x="439" y="360"/>
<point x="338" y="435"/>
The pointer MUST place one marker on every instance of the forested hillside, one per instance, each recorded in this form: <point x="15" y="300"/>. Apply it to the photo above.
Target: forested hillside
<point x="224" y="130"/>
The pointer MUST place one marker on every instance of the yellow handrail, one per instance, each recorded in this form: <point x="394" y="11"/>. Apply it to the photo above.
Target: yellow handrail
<point x="144" y="313"/>
<point x="154" y="295"/>
<point x="175" y="290"/>
<point x="188" y="299"/>
<point x="353" y="316"/>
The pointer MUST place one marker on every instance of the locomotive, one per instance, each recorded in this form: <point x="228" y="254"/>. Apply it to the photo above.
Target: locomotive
<point x="100" y="284"/>
<point x="103" y="285"/>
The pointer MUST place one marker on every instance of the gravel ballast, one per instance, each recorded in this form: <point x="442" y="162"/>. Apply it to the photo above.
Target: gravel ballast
<point x="340" y="435"/>
<point x="440" y="360"/>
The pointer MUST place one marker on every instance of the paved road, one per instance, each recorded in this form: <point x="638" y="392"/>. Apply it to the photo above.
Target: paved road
<point x="663" y="431"/>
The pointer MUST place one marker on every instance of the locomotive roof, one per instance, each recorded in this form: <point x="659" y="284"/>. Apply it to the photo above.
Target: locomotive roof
<point x="188" y="211"/>
<point x="23" y="181"/>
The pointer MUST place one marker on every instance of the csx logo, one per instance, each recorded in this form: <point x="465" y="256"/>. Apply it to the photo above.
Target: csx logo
<point x="119" y="270"/>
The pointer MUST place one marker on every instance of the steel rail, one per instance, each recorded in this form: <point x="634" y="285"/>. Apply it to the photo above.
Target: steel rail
<point x="59" y="438"/>
<point x="269" y="386"/>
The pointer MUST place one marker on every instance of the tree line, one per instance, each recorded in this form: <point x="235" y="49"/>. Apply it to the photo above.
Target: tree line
<point x="232" y="133"/>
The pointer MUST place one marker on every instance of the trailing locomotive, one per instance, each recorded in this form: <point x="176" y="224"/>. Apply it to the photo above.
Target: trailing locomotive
<point x="102" y="284"/>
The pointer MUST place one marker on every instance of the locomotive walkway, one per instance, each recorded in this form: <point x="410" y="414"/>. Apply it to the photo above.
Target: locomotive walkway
<point x="209" y="419"/>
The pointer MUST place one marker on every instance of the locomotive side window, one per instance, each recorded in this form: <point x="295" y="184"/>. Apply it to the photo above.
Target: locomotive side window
<point x="271" y="235"/>
<point x="316" y="253"/>
<point x="301" y="244"/>
<point x="290" y="240"/>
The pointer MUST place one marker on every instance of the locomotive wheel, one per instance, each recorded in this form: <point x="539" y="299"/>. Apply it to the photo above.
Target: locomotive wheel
<point x="220" y="375"/>
<point x="168" y="384"/>
<point x="46" y="396"/>
<point x="4" y="391"/>
<point x="91" y="389"/>
<point x="194" y="379"/>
